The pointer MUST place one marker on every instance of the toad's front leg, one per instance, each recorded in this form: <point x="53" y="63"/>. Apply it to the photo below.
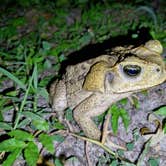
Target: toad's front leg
<point x="92" y="106"/>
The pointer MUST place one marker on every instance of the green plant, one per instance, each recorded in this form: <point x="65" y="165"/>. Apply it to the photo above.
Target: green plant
<point x="156" y="22"/>
<point x="20" y="141"/>
<point x="116" y="114"/>
<point x="162" y="111"/>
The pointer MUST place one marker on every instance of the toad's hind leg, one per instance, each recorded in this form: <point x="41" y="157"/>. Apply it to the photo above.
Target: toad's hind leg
<point x="58" y="98"/>
<point x="92" y="106"/>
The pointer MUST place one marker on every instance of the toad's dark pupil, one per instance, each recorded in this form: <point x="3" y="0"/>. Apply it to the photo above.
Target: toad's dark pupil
<point x="132" y="70"/>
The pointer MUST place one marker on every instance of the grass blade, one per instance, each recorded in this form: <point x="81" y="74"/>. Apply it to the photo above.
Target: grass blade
<point x="12" y="77"/>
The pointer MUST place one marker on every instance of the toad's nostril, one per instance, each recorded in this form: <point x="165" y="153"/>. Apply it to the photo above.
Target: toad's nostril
<point x="158" y="69"/>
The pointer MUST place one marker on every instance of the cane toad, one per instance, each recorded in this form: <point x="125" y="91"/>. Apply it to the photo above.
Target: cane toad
<point x="90" y="87"/>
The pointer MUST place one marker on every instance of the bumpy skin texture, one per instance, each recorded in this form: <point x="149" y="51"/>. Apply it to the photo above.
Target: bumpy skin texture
<point x="90" y="87"/>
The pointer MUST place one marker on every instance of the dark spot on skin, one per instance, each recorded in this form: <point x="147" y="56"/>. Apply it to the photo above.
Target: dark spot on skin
<point x="158" y="69"/>
<point x="71" y="82"/>
<point x="83" y="67"/>
<point x="80" y="77"/>
<point x="109" y="76"/>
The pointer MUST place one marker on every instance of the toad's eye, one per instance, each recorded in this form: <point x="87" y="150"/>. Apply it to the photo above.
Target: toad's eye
<point x="132" y="70"/>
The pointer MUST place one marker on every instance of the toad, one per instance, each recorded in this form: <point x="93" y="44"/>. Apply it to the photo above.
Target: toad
<point x="92" y="86"/>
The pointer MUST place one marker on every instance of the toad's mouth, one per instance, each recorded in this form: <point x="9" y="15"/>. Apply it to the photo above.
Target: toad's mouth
<point x="135" y="89"/>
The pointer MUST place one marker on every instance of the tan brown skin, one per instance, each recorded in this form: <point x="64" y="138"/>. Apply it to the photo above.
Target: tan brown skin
<point x="90" y="87"/>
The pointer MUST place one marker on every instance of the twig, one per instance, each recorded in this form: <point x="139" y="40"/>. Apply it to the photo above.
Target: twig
<point x="95" y="142"/>
<point x="105" y="128"/>
<point x="86" y="153"/>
